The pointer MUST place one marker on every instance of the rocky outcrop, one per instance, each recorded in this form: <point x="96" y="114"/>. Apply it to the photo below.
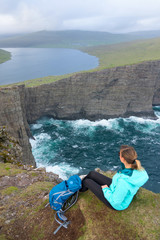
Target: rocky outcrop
<point x="116" y="92"/>
<point x="10" y="150"/>
<point x="12" y="115"/>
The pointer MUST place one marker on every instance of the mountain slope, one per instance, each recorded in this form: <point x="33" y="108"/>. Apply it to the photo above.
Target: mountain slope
<point x="72" y="38"/>
<point x="126" y="53"/>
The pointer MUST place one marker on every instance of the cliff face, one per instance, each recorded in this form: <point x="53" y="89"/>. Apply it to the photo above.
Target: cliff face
<point x="12" y="115"/>
<point x="121" y="91"/>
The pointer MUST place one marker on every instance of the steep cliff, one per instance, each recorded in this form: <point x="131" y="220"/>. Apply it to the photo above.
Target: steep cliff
<point x="121" y="91"/>
<point x="12" y="115"/>
<point x="116" y="92"/>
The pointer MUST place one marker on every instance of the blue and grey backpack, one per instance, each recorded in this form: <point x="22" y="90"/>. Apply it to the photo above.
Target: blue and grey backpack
<point x="61" y="192"/>
<point x="62" y="197"/>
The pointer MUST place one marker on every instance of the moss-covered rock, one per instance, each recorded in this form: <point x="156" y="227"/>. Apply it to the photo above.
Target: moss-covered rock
<point x="10" y="150"/>
<point x="24" y="216"/>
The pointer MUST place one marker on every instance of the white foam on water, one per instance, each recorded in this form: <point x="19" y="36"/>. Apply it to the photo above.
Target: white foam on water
<point x="33" y="143"/>
<point x="87" y="123"/>
<point x="63" y="169"/>
<point x="141" y="124"/>
<point x="36" y="126"/>
<point x="42" y="136"/>
<point x="114" y="168"/>
<point x="40" y="148"/>
<point x="112" y="124"/>
<point x="157" y="111"/>
<point x="144" y="125"/>
<point x="42" y="156"/>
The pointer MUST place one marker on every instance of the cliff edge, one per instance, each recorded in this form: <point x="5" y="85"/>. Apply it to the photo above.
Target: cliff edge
<point x="24" y="194"/>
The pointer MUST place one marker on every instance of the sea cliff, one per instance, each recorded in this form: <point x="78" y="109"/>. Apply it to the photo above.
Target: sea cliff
<point x="109" y="93"/>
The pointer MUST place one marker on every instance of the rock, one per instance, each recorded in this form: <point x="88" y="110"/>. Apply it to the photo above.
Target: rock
<point x="27" y="167"/>
<point x="20" y="180"/>
<point x="53" y="177"/>
<point x="40" y="169"/>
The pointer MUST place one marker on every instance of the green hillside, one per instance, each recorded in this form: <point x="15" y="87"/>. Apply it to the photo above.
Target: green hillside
<point x="126" y="53"/>
<point x="4" y="56"/>
<point x="72" y="38"/>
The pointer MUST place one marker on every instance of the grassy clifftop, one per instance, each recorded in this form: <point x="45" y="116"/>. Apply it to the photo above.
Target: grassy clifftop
<point x="126" y="53"/>
<point x="24" y="216"/>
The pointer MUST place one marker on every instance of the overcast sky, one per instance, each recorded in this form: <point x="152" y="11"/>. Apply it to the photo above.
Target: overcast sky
<point x="18" y="16"/>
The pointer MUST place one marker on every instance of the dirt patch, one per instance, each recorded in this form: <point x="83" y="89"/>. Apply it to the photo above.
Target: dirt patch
<point x="42" y="225"/>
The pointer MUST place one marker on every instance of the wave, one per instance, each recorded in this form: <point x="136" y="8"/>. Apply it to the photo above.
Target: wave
<point x="76" y="147"/>
<point x="63" y="170"/>
<point x="119" y="124"/>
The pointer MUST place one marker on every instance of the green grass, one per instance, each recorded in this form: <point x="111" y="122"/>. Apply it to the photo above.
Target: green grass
<point x="3" y="237"/>
<point x="36" y="188"/>
<point x="139" y="221"/>
<point x="9" y="190"/>
<point x="4" y="56"/>
<point x="9" y="169"/>
<point x="43" y="80"/>
<point x="126" y="53"/>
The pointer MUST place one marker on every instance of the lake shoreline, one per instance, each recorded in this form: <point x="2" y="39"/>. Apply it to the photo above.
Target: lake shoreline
<point x="30" y="63"/>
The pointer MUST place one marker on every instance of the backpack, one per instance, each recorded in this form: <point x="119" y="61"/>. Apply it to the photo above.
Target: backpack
<point x="62" y="191"/>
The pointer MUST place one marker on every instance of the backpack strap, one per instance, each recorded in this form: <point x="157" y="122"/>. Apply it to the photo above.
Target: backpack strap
<point x="63" y="223"/>
<point x="70" y="201"/>
<point x="66" y="184"/>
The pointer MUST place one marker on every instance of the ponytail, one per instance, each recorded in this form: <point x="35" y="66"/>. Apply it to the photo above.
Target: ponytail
<point x="137" y="165"/>
<point x="130" y="155"/>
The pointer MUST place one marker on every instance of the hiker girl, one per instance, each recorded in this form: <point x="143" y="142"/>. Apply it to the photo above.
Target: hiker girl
<point x="118" y="192"/>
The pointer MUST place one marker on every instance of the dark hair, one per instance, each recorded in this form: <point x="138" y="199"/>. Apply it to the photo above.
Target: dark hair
<point x="130" y="155"/>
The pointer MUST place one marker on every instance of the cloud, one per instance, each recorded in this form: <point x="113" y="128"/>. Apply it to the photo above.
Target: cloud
<point x="99" y="15"/>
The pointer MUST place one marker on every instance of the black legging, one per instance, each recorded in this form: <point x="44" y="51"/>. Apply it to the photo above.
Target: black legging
<point x="94" y="181"/>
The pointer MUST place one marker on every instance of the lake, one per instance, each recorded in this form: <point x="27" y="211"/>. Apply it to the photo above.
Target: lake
<point x="30" y="63"/>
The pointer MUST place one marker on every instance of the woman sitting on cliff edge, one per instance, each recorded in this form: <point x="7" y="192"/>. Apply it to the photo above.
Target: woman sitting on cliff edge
<point x="118" y="192"/>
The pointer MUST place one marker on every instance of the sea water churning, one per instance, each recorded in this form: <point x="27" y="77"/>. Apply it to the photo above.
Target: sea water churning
<point x="76" y="147"/>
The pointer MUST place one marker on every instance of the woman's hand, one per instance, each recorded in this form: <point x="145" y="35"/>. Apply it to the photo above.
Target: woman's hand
<point x="104" y="186"/>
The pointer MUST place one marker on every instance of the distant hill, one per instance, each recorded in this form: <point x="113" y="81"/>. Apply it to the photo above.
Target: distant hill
<point x="72" y="39"/>
<point x="4" y="56"/>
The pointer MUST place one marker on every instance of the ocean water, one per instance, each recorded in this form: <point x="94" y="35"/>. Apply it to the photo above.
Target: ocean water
<point x="76" y="147"/>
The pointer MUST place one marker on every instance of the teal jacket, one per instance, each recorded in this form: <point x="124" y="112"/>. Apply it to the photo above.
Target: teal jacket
<point x="123" y="188"/>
